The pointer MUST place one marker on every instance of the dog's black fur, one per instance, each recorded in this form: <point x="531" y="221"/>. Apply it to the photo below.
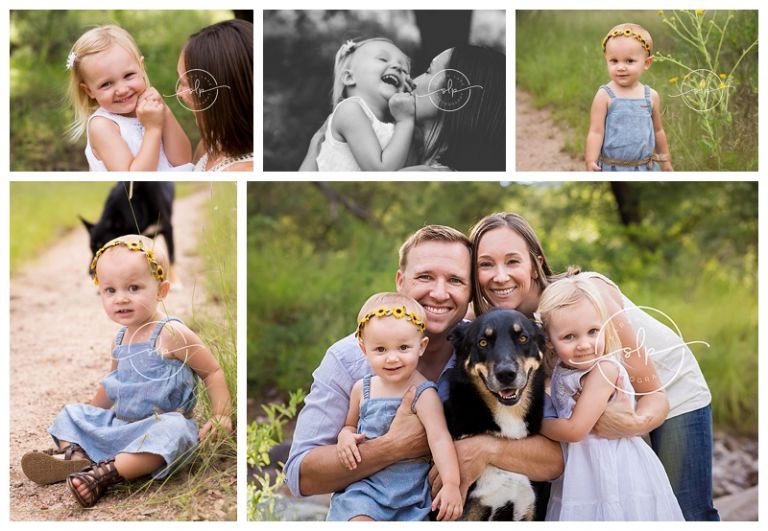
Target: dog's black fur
<point x="497" y="387"/>
<point x="147" y="213"/>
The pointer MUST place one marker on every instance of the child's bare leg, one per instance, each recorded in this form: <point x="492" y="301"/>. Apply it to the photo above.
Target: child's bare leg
<point x="361" y="518"/>
<point x="130" y="466"/>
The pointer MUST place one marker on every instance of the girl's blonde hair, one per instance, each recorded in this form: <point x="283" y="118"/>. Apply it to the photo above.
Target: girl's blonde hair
<point x="567" y="292"/>
<point x="341" y="63"/>
<point x="93" y="41"/>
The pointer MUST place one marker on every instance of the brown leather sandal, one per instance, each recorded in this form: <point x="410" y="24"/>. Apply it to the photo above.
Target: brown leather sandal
<point x="43" y="468"/>
<point x="97" y="478"/>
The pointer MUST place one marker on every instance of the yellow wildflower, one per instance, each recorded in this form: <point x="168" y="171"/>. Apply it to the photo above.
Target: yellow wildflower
<point x="722" y="86"/>
<point x="702" y="84"/>
<point x="660" y="12"/>
<point x="673" y="80"/>
<point x="699" y="11"/>
<point x="723" y="76"/>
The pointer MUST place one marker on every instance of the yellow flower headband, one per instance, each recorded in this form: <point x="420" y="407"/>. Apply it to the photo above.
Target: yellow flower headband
<point x="155" y="268"/>
<point x="627" y="32"/>
<point x="398" y="312"/>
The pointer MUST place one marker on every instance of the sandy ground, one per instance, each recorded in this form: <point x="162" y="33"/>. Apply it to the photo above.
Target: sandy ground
<point x="539" y="140"/>
<point x="60" y="341"/>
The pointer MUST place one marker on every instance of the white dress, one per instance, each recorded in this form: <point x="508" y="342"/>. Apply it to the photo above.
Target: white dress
<point x="132" y="132"/>
<point x="606" y="479"/>
<point x="335" y="155"/>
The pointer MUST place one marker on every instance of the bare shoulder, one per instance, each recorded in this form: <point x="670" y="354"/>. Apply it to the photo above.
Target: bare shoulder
<point x="175" y="339"/>
<point x="99" y="126"/>
<point x="241" y="166"/>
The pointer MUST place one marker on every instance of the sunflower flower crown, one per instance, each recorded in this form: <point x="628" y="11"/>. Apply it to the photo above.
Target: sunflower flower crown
<point x="627" y="32"/>
<point x="398" y="312"/>
<point x="154" y="267"/>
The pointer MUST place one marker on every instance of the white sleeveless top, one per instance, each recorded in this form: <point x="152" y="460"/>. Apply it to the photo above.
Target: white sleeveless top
<point x="336" y="155"/>
<point x="132" y="132"/>
<point x="676" y="365"/>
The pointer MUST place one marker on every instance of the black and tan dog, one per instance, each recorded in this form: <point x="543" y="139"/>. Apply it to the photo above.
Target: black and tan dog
<point x="497" y="388"/>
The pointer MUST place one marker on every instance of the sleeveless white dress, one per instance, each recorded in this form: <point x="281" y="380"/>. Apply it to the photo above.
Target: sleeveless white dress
<point x="336" y="155"/>
<point x="606" y="479"/>
<point x="132" y="132"/>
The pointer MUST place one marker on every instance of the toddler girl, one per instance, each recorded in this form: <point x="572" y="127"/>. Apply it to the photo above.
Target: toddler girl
<point x="604" y="479"/>
<point x="625" y="125"/>
<point x="128" y="126"/>
<point x="370" y="79"/>
<point x="390" y="332"/>
<point x="140" y="419"/>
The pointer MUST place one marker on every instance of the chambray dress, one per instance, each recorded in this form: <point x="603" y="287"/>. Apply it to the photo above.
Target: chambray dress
<point x="153" y="398"/>
<point x="397" y="493"/>
<point x="629" y="131"/>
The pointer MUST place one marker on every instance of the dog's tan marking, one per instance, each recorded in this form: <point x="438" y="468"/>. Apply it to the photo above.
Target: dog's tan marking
<point x="517" y="328"/>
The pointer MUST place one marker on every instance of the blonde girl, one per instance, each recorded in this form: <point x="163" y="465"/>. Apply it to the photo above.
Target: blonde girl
<point x="604" y="479"/>
<point x="128" y="126"/>
<point x="372" y="122"/>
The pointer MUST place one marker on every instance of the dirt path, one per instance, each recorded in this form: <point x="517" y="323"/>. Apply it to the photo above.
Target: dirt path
<point x="60" y="341"/>
<point x="539" y="140"/>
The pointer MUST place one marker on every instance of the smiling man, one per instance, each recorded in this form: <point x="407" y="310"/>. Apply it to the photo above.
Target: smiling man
<point x="435" y="269"/>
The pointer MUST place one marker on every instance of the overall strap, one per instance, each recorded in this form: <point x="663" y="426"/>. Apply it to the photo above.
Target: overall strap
<point x="609" y="91"/>
<point x="367" y="387"/>
<point x="159" y="328"/>
<point x="420" y="389"/>
<point x="647" y="93"/>
<point x="120" y="335"/>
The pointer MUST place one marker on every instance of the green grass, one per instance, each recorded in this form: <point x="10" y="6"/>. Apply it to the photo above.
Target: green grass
<point x="559" y="61"/>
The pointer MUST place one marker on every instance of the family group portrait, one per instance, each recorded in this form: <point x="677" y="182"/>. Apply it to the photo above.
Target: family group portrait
<point x="131" y="90"/>
<point x="372" y="90"/>
<point x="623" y="90"/>
<point x="493" y="351"/>
<point x="123" y="366"/>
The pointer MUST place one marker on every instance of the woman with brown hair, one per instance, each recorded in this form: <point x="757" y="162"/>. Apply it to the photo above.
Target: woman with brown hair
<point x="216" y="83"/>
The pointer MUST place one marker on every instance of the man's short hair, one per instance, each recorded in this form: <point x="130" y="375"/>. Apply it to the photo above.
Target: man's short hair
<point x="432" y="233"/>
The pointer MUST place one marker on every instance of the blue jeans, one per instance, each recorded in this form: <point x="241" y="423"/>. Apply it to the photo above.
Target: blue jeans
<point x="684" y="446"/>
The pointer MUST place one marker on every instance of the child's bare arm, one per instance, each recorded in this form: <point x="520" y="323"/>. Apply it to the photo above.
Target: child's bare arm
<point x="151" y="114"/>
<point x="429" y="408"/>
<point x="177" y="147"/>
<point x="107" y="144"/>
<point x="662" y="148"/>
<point x="596" y="129"/>
<point x="178" y="341"/>
<point x="596" y="390"/>
<point x="346" y="445"/>
<point x="355" y="128"/>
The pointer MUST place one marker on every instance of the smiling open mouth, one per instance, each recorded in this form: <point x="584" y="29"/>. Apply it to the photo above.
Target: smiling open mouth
<point x="391" y="79"/>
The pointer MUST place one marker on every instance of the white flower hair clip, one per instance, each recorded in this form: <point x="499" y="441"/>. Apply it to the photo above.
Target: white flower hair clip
<point x="71" y="58"/>
<point x="348" y="47"/>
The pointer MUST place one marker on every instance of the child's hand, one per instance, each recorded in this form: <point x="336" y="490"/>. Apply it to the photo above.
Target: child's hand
<point x="402" y="106"/>
<point x="592" y="166"/>
<point x="667" y="166"/>
<point x="346" y="448"/>
<point x="151" y="113"/>
<point x="218" y="424"/>
<point x="151" y="93"/>
<point x="450" y="503"/>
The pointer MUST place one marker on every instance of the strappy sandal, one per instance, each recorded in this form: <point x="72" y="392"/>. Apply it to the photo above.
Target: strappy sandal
<point x="97" y="479"/>
<point x="43" y="468"/>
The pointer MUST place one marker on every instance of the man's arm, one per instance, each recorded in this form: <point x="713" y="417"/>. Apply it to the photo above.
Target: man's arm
<point x="322" y="472"/>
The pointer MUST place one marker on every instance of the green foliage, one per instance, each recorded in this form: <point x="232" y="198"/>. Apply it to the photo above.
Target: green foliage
<point x="559" y="61"/>
<point x="262" y="436"/>
<point x="40" y="43"/>
<point x="312" y="263"/>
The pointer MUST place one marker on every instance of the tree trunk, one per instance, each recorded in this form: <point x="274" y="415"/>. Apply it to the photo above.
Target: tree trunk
<point x="627" y="202"/>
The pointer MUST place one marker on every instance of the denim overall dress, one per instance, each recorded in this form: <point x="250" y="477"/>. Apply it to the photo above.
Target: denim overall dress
<point x="397" y="493"/>
<point x="153" y="398"/>
<point x="629" y="135"/>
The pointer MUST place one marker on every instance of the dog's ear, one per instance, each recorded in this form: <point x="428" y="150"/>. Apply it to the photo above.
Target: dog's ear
<point x="541" y="338"/>
<point x="458" y="334"/>
<point x="88" y="224"/>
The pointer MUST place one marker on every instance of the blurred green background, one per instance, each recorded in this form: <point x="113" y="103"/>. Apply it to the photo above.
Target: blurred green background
<point x="299" y="49"/>
<point x="40" y="41"/>
<point x="317" y="250"/>
<point x="559" y="61"/>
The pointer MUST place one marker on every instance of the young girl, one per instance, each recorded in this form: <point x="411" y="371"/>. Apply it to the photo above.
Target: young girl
<point x="604" y="479"/>
<point x="625" y="124"/>
<point x="128" y="126"/>
<point x="140" y="420"/>
<point x="369" y="91"/>
<point x="390" y="332"/>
